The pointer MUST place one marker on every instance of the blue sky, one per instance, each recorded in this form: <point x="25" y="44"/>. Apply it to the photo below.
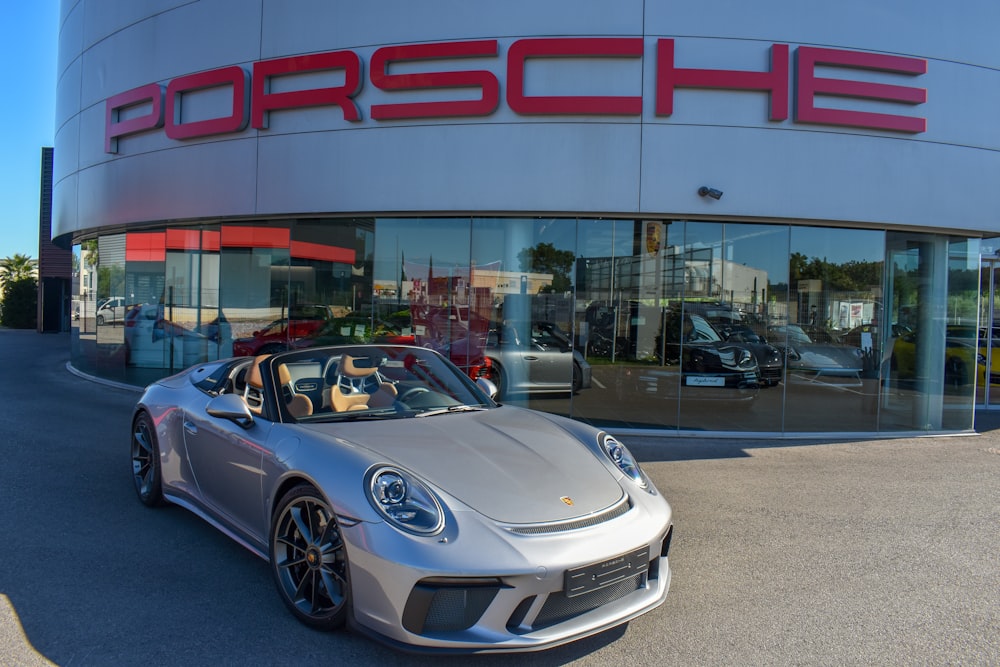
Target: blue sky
<point x="28" y="38"/>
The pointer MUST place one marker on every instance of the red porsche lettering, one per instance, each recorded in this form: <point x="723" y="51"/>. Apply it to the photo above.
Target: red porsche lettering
<point x="253" y="96"/>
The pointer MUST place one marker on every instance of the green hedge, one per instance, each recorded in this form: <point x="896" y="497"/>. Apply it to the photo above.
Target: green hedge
<point x="20" y="304"/>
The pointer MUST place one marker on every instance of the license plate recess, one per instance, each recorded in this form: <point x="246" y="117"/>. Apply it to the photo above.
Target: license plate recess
<point x="589" y="578"/>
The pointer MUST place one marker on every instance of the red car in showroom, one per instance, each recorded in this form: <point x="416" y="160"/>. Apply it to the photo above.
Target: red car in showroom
<point x="279" y="335"/>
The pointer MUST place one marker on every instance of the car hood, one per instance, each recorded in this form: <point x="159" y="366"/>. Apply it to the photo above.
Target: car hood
<point x="829" y="357"/>
<point x="509" y="464"/>
<point x="766" y="354"/>
<point x="717" y="356"/>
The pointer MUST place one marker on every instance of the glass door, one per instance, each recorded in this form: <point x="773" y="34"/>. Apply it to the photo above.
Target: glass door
<point x="988" y="387"/>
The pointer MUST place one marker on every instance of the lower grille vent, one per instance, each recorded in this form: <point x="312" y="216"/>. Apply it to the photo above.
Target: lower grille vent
<point x="559" y="608"/>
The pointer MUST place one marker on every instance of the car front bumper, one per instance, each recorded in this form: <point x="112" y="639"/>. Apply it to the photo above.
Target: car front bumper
<point x="488" y="589"/>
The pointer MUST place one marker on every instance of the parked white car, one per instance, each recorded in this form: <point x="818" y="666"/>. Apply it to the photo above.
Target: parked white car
<point x="111" y="310"/>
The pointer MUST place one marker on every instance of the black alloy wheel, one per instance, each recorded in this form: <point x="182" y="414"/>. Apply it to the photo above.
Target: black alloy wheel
<point x="309" y="559"/>
<point x="146" y="462"/>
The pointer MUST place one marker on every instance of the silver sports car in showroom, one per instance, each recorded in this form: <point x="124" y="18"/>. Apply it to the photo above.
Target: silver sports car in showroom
<point x="388" y="491"/>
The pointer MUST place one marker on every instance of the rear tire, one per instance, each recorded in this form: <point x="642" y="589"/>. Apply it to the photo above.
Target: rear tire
<point x="499" y="378"/>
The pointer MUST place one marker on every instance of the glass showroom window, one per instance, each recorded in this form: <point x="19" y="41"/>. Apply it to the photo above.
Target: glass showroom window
<point x="673" y="316"/>
<point x="83" y="335"/>
<point x="733" y="289"/>
<point x="109" y="307"/>
<point x="255" y="284"/>
<point x="931" y="358"/>
<point x="831" y="355"/>
<point x="330" y="283"/>
<point x="988" y="382"/>
<point x="521" y="293"/>
<point x="422" y="285"/>
<point x="604" y="248"/>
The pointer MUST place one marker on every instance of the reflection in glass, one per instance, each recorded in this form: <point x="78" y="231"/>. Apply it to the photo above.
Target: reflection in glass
<point x="330" y="284"/>
<point x="423" y="286"/>
<point x="736" y="280"/>
<point x="109" y="304"/>
<point x="523" y="295"/>
<point x="254" y="283"/>
<point x="988" y="381"/>
<point x="933" y="360"/>
<point x="830" y="337"/>
<point x="649" y="324"/>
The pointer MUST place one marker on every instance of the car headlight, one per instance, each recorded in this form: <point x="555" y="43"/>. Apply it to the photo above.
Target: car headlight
<point x="404" y="501"/>
<point x="623" y="459"/>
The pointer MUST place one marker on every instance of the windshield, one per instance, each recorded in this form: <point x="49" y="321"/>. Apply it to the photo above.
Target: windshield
<point x="363" y="382"/>
<point x="697" y="329"/>
<point x="795" y="334"/>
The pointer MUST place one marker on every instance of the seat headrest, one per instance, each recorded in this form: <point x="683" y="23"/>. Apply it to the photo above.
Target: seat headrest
<point x="284" y="375"/>
<point x="348" y="368"/>
<point x="254" y="378"/>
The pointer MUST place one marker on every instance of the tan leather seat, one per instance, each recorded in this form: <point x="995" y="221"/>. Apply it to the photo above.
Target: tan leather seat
<point x="384" y="397"/>
<point x="347" y="392"/>
<point x="299" y="405"/>
<point x="253" y="395"/>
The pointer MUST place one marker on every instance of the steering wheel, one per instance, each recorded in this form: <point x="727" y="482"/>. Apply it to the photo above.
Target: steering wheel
<point x="411" y="392"/>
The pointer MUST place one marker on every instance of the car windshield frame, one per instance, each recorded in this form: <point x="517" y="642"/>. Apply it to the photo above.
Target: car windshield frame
<point x="401" y="381"/>
<point x="702" y="330"/>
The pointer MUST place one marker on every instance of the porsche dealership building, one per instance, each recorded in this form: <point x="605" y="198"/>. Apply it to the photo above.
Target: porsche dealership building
<point x="661" y="216"/>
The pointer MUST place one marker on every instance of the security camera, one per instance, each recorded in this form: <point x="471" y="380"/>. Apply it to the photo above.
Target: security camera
<point x="710" y="192"/>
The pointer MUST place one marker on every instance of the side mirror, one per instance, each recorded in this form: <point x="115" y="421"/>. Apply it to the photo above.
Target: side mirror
<point x="231" y="407"/>
<point x="488" y="387"/>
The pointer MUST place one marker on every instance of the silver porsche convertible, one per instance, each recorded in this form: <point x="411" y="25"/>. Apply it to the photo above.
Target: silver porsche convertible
<point x="388" y="491"/>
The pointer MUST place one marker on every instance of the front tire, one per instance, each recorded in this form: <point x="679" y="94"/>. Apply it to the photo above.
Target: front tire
<point x="146" y="462"/>
<point x="309" y="560"/>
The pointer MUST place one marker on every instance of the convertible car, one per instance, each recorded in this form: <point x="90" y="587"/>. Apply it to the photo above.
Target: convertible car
<point x="389" y="492"/>
<point x="814" y="362"/>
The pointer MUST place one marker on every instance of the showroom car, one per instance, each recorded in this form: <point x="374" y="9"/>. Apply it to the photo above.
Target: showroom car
<point x="390" y="492"/>
<point x="532" y="359"/>
<point x="354" y="329"/>
<point x="770" y="360"/>
<point x="965" y="356"/>
<point x="815" y="362"/>
<point x="695" y="361"/>
<point x="302" y="322"/>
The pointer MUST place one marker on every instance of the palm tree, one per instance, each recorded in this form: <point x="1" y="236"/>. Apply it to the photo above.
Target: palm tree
<point x="18" y="267"/>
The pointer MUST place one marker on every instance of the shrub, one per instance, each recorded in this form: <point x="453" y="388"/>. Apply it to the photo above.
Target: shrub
<point x="20" y="304"/>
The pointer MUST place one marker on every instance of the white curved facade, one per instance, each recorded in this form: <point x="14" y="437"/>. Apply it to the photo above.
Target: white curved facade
<point x="335" y="154"/>
<point x="311" y="160"/>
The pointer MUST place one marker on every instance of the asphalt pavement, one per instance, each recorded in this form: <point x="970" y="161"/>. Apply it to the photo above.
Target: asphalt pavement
<point x="818" y="552"/>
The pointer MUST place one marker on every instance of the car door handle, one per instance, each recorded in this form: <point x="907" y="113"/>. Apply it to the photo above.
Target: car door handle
<point x="530" y="357"/>
<point x="190" y="428"/>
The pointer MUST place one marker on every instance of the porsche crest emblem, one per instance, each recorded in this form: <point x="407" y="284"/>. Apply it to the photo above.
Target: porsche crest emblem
<point x="567" y="500"/>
